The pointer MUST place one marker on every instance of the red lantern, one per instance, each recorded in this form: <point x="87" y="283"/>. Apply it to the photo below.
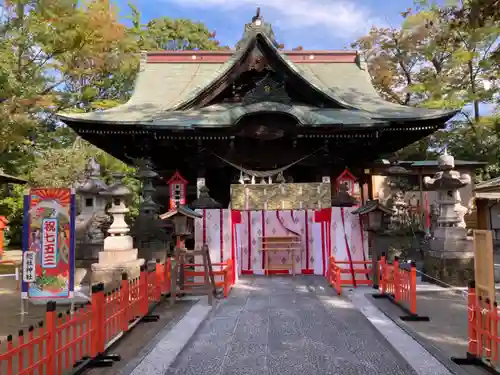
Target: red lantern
<point x="177" y="185"/>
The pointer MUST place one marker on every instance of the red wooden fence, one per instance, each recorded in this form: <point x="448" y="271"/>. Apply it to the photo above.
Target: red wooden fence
<point x="395" y="283"/>
<point x="81" y="337"/>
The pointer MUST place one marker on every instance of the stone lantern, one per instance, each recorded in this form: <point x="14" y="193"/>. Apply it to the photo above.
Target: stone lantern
<point x="372" y="216"/>
<point x="118" y="194"/>
<point x="150" y="237"/>
<point x="119" y="254"/>
<point x="205" y="201"/>
<point x="89" y="234"/>
<point x="450" y="257"/>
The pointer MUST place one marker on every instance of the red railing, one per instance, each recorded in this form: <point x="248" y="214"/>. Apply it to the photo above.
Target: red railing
<point x="482" y="327"/>
<point x="336" y="269"/>
<point x="223" y="276"/>
<point x="82" y="337"/>
<point x="400" y="286"/>
<point x="395" y="283"/>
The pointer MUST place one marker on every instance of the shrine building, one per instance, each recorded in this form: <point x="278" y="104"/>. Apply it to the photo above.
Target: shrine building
<point x="254" y="113"/>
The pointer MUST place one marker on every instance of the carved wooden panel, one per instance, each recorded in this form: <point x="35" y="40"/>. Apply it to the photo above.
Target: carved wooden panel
<point x="281" y="196"/>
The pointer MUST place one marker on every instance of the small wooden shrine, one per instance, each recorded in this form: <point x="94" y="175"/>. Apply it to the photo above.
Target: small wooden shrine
<point x="183" y="219"/>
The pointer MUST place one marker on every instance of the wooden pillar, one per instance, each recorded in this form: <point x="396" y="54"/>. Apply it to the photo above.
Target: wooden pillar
<point x="421" y="188"/>
<point x="367" y="187"/>
<point x="483" y="212"/>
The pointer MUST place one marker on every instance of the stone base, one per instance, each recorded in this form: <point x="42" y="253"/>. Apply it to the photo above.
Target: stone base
<point x="452" y="271"/>
<point x="111" y="274"/>
<point x="88" y="251"/>
<point x="118" y="243"/>
<point x="112" y="257"/>
<point x="451" y="240"/>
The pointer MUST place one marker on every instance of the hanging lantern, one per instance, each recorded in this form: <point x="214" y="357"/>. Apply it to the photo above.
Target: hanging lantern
<point x="177" y="186"/>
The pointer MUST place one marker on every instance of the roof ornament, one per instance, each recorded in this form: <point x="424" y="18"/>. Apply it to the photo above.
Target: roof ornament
<point x="257" y="26"/>
<point x="257" y="20"/>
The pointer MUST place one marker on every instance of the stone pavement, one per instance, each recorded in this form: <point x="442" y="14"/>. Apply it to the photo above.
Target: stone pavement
<point x="445" y="335"/>
<point x="284" y="325"/>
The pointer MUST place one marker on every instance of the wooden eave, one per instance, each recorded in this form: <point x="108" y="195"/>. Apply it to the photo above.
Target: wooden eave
<point x="304" y="56"/>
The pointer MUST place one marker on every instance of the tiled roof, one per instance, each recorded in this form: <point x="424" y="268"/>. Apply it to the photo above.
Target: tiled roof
<point x="370" y="206"/>
<point x="5" y="178"/>
<point x="490" y="184"/>
<point x="162" y="89"/>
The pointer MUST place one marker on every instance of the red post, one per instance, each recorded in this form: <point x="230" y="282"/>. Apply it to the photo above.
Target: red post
<point x="166" y="278"/>
<point x="327" y="273"/>
<point x="488" y="329"/>
<point x="124" y="302"/>
<point x="494" y="333"/>
<point x="413" y="288"/>
<point x="338" y="278"/>
<point x="98" y="320"/>
<point x="3" y="225"/>
<point x="51" y="327"/>
<point x="332" y="270"/>
<point x="143" y="290"/>
<point x="397" y="281"/>
<point x="383" y="274"/>
<point x="226" y="281"/>
<point x="479" y="325"/>
<point x="10" y="348"/>
<point x="20" y="356"/>
<point x="158" y="279"/>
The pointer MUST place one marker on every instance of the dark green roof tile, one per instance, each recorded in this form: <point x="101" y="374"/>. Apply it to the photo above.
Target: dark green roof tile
<point x="164" y="89"/>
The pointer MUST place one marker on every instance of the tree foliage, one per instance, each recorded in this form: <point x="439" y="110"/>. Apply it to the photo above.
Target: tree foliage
<point x="77" y="56"/>
<point x="443" y="57"/>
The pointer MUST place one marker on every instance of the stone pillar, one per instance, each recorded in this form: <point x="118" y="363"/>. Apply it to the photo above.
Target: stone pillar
<point x="119" y="254"/>
<point x="450" y="257"/>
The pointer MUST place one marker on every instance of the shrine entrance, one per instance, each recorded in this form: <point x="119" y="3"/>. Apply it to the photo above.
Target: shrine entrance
<point x="263" y="242"/>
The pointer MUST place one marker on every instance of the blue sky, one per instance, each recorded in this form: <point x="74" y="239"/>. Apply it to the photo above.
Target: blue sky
<point x="313" y="24"/>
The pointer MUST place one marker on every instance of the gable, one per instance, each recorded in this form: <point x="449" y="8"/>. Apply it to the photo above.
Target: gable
<point x="258" y="56"/>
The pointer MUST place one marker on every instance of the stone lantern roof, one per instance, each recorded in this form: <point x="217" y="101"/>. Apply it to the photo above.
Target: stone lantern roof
<point x="117" y="188"/>
<point x="93" y="183"/>
<point x="205" y="201"/>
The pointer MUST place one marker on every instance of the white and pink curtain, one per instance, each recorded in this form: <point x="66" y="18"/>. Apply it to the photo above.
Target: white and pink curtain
<point x="349" y="242"/>
<point x="237" y="235"/>
<point x="253" y="225"/>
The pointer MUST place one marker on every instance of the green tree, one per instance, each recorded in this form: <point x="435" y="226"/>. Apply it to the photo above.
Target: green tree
<point x="433" y="60"/>
<point x="70" y="55"/>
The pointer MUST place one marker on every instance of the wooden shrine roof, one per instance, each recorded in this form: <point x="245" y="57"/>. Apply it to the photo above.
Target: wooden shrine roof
<point x="5" y="178"/>
<point x="169" y="84"/>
